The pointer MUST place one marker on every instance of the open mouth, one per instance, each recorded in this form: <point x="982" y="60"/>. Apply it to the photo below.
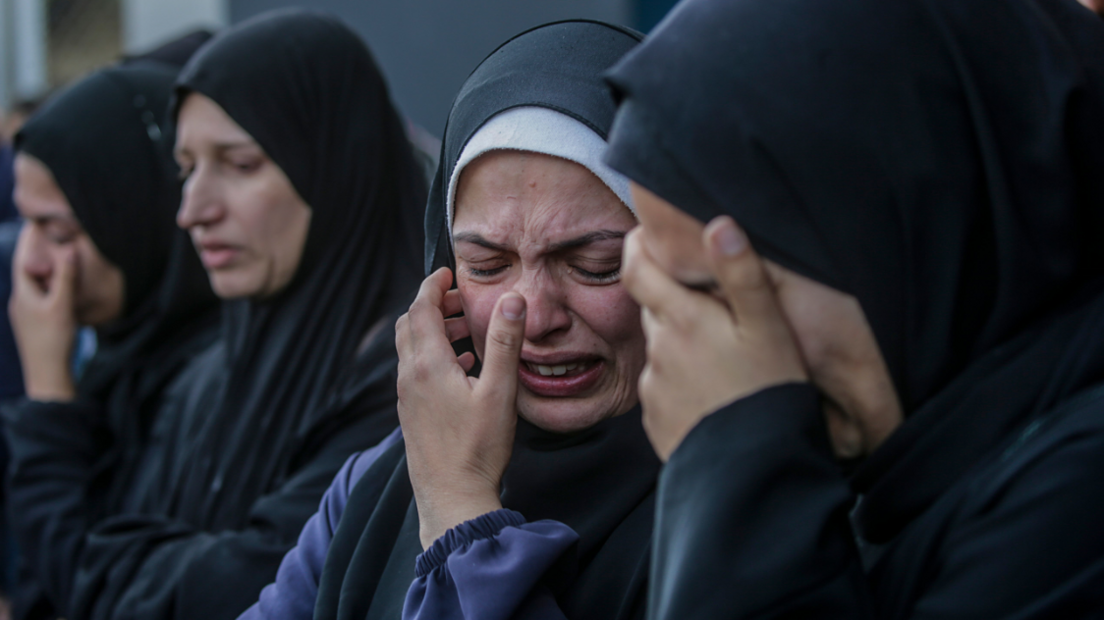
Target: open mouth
<point x="561" y="370"/>
<point x="568" y="378"/>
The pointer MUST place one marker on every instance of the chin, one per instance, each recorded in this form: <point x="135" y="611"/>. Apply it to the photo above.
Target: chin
<point x="230" y="285"/>
<point x="563" y="415"/>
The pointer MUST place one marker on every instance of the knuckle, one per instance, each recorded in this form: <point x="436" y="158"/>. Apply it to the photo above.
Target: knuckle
<point x="504" y="338"/>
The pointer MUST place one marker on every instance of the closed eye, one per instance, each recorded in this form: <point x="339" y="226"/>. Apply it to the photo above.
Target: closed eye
<point x="483" y="273"/>
<point x="603" y="277"/>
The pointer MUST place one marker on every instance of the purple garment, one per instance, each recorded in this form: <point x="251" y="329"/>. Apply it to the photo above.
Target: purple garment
<point x="488" y="568"/>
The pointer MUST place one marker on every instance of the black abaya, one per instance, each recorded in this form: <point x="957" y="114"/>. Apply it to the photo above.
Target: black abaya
<point x="939" y="161"/>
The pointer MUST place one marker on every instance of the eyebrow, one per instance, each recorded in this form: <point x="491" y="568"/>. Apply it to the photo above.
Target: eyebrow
<point x="221" y="147"/>
<point x="571" y="244"/>
<point x="54" y="217"/>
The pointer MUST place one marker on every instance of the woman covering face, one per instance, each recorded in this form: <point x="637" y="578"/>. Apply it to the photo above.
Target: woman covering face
<point x="529" y="486"/>
<point x="921" y="181"/>
<point x="99" y="248"/>
<point x="304" y="203"/>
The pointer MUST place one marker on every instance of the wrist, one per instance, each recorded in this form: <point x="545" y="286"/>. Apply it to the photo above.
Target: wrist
<point x="54" y="386"/>
<point x="441" y="510"/>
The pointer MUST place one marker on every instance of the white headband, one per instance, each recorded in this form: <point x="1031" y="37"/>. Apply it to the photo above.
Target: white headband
<point x="540" y="130"/>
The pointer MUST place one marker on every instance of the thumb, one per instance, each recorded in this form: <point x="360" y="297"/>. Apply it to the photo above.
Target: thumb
<point x="502" y="350"/>
<point x="741" y="275"/>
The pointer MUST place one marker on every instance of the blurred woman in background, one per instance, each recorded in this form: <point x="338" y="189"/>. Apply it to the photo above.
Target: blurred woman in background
<point x="97" y="189"/>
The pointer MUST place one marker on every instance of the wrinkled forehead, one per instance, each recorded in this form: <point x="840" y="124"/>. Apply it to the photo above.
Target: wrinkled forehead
<point x="535" y="203"/>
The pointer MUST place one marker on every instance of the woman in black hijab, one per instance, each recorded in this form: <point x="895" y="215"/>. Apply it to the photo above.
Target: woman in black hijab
<point x="561" y="522"/>
<point x="922" y="180"/>
<point x="250" y="434"/>
<point x="99" y="146"/>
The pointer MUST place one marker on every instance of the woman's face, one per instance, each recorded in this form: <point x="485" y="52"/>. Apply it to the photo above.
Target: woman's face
<point x="552" y="231"/>
<point x="835" y="339"/>
<point x="247" y="222"/>
<point x="99" y="286"/>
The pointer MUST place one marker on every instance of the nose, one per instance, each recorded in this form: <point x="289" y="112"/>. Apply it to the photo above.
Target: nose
<point x="546" y="312"/>
<point x="200" y="203"/>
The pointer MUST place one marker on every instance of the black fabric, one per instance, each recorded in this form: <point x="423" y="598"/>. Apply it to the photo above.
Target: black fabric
<point x="599" y="481"/>
<point x="103" y="140"/>
<point x="937" y="160"/>
<point x="248" y="436"/>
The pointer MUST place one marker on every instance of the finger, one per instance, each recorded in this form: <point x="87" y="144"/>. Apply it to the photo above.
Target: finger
<point x="652" y="288"/>
<point x="24" y="285"/>
<point x="451" y="304"/>
<point x="457" y="328"/>
<point x="466" y="361"/>
<point x="741" y="275"/>
<point x="502" y="351"/>
<point x="421" y="336"/>
<point x="425" y="318"/>
<point x="64" y="280"/>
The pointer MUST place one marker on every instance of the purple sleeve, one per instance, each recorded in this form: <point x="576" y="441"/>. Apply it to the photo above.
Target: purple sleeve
<point x="489" y="568"/>
<point x="293" y="594"/>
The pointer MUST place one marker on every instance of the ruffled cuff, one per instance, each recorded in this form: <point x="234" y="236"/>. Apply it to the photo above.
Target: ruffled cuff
<point x="479" y="528"/>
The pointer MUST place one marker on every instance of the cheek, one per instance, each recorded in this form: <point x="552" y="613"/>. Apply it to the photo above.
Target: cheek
<point x="614" y="318"/>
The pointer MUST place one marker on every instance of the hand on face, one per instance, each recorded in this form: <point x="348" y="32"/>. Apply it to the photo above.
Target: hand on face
<point x="703" y="351"/>
<point x="43" y="320"/>
<point x="459" y="430"/>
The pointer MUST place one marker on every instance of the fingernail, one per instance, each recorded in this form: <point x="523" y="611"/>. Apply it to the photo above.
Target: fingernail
<point x="730" y="239"/>
<point x="513" y="308"/>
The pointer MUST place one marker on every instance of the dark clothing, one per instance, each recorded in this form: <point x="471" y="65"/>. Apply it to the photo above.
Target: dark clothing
<point x="939" y="161"/>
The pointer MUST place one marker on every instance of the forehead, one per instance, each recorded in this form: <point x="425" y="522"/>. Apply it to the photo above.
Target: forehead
<point x="37" y="194"/>
<point x="531" y="200"/>
<point x="202" y="121"/>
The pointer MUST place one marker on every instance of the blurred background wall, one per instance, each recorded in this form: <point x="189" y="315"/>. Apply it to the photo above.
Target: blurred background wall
<point x="425" y="47"/>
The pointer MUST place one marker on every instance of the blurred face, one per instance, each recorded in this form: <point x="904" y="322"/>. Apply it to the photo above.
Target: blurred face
<point x="245" y="218"/>
<point x="51" y="227"/>
<point x="552" y="231"/>
<point x="836" y="341"/>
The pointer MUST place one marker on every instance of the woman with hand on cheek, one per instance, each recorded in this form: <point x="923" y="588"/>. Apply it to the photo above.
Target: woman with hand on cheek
<point x="99" y="248"/>
<point x="905" y="275"/>
<point x="524" y="490"/>
<point x="530" y="485"/>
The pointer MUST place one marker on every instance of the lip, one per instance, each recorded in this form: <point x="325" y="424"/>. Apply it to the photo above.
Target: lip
<point x="216" y="255"/>
<point x="560" y="386"/>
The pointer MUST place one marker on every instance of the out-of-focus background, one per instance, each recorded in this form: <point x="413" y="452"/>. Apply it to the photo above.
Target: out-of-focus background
<point x="425" y="47"/>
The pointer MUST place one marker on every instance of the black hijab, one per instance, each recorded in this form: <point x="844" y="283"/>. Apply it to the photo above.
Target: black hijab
<point x="600" y="481"/>
<point x="103" y="139"/>
<point x="938" y="160"/>
<point x="305" y="87"/>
